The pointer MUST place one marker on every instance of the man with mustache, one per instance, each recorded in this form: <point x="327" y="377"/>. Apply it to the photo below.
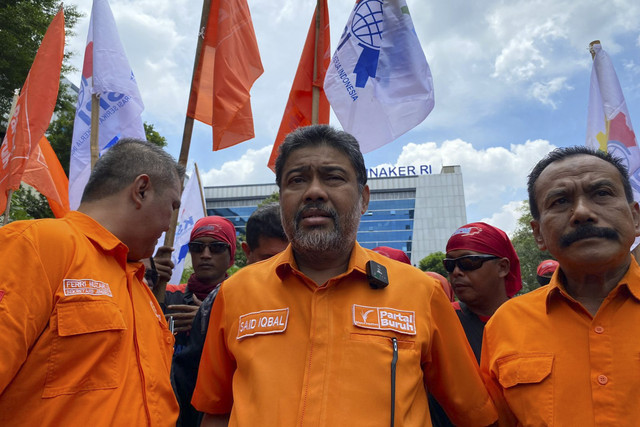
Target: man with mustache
<point x="328" y="333"/>
<point x="568" y="353"/>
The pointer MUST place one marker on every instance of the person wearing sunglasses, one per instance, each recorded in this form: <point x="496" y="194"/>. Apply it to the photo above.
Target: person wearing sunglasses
<point x="484" y="271"/>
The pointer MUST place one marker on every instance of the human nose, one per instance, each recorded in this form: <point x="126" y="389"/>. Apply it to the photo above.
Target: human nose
<point x="582" y="212"/>
<point x="206" y="252"/>
<point x="315" y="190"/>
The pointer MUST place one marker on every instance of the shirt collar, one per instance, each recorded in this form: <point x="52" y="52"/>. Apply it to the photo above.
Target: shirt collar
<point x="101" y="237"/>
<point x="286" y="263"/>
<point x="630" y="280"/>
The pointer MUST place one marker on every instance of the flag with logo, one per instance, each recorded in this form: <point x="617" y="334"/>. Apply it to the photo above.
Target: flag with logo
<point x="608" y="123"/>
<point x="229" y="64"/>
<point x="379" y="83"/>
<point x="33" y="109"/>
<point x="191" y="210"/>
<point x="45" y="173"/>
<point x="105" y="72"/>
<point x="297" y="113"/>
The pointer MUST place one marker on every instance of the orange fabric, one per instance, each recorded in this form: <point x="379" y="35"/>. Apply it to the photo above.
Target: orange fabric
<point x="546" y="361"/>
<point x="297" y="112"/>
<point x="44" y="173"/>
<point x="33" y="110"/>
<point x="311" y="365"/>
<point x="229" y="64"/>
<point x="83" y="339"/>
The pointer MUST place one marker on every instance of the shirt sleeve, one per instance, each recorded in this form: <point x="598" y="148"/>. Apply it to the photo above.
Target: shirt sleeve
<point x="25" y="302"/>
<point x="452" y="373"/>
<point x="213" y="392"/>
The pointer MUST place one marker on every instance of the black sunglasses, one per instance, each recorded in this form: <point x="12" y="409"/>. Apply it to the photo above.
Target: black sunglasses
<point x="467" y="263"/>
<point x="214" y="247"/>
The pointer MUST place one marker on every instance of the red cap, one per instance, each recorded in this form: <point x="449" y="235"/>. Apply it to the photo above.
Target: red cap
<point x="547" y="267"/>
<point x="396" y="254"/>
<point x="218" y="228"/>
<point x="486" y="239"/>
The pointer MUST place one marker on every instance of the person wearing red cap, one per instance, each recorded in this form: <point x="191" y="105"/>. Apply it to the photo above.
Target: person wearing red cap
<point x="545" y="270"/>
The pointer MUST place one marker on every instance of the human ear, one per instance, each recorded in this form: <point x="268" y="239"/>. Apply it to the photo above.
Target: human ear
<point x="140" y="190"/>
<point x="537" y="235"/>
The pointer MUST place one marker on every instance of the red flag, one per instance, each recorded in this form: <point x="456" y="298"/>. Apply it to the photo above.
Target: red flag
<point x="229" y="64"/>
<point x="33" y="110"/>
<point x="45" y="173"/>
<point x="298" y="110"/>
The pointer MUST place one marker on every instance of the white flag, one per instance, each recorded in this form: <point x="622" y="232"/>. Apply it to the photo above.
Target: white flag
<point x="191" y="210"/>
<point x="608" y="123"/>
<point x="379" y="83"/>
<point x="106" y="71"/>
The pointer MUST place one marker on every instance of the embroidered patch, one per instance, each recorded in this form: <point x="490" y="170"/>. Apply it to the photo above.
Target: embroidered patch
<point x="263" y="322"/>
<point x="384" y="319"/>
<point x="86" y="287"/>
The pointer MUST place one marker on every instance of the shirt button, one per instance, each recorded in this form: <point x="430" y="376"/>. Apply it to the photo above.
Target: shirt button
<point x="598" y="329"/>
<point x="602" y="379"/>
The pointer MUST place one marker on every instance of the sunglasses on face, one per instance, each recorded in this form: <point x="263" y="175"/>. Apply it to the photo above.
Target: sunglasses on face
<point x="214" y="247"/>
<point x="467" y="263"/>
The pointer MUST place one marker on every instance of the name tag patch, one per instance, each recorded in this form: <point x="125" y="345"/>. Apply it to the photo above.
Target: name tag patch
<point x="85" y="287"/>
<point x="384" y="319"/>
<point x="263" y="322"/>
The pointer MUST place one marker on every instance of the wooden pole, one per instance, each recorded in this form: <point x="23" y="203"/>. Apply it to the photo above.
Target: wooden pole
<point x="202" y="197"/>
<point x="593" y="52"/>
<point x="159" y="289"/>
<point x="14" y="102"/>
<point x="94" y="140"/>
<point x="315" y="90"/>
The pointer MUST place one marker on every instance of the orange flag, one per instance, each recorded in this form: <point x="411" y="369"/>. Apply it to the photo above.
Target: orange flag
<point x="229" y="64"/>
<point x="45" y="173"/>
<point x="298" y="110"/>
<point x="33" y="109"/>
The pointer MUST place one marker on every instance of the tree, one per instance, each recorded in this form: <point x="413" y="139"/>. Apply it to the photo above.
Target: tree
<point x="527" y="250"/>
<point x="153" y="136"/>
<point x="23" y="24"/>
<point x="433" y="262"/>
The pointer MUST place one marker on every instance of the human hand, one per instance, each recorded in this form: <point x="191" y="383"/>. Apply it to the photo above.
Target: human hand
<point x="183" y="316"/>
<point x="163" y="263"/>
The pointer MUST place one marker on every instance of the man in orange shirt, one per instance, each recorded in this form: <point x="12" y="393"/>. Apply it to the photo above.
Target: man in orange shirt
<point x="567" y="353"/>
<point x="83" y="339"/>
<point x="327" y="332"/>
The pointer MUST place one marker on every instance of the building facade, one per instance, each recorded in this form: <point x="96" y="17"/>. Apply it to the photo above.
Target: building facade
<point x="410" y="209"/>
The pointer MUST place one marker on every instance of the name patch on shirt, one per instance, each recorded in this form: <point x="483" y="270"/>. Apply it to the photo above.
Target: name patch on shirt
<point x="263" y="322"/>
<point x="384" y="319"/>
<point x="86" y="287"/>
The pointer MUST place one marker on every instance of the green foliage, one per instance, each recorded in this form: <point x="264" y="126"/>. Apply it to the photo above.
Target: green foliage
<point x="23" y="24"/>
<point x="153" y="136"/>
<point x="527" y="250"/>
<point x="186" y="273"/>
<point x="240" y="258"/>
<point x="26" y="203"/>
<point x="274" y="197"/>
<point x="433" y="262"/>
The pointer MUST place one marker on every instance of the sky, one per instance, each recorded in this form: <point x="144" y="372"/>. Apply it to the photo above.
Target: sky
<point x="511" y="83"/>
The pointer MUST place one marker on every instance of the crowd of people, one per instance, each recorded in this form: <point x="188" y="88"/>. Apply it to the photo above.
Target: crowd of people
<point x="316" y="329"/>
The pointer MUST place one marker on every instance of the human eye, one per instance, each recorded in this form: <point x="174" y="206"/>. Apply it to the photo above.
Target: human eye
<point x="295" y="179"/>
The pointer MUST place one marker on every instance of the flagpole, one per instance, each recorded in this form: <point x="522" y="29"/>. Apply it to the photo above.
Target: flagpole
<point x="593" y="52"/>
<point x="95" y="128"/>
<point x="315" y="90"/>
<point x="170" y="235"/>
<point x="14" y="102"/>
<point x="204" y="202"/>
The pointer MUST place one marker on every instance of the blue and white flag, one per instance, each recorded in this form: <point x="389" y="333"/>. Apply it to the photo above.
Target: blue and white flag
<point x="105" y="71"/>
<point x="379" y="83"/>
<point x="191" y="210"/>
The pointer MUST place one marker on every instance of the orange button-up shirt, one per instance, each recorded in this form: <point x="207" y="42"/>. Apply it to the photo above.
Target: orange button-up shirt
<point x="547" y="361"/>
<point x="82" y="339"/>
<point x="282" y="351"/>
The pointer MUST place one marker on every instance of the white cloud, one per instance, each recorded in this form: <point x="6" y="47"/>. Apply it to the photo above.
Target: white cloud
<point x="248" y="169"/>
<point x="507" y="217"/>
<point x="544" y="91"/>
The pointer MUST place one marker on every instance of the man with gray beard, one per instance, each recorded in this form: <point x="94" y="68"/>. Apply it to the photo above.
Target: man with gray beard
<point x="328" y="333"/>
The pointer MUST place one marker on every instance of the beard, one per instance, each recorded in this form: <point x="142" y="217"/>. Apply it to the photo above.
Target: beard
<point x="320" y="240"/>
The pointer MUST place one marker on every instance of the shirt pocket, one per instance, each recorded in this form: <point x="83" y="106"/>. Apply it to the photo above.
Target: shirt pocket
<point x="527" y="383"/>
<point x="87" y="343"/>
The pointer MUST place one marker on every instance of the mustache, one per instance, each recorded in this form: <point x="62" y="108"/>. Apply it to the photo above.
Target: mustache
<point x="587" y="231"/>
<point x="318" y="206"/>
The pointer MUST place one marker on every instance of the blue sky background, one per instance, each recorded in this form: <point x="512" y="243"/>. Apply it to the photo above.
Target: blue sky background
<point x="511" y="83"/>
